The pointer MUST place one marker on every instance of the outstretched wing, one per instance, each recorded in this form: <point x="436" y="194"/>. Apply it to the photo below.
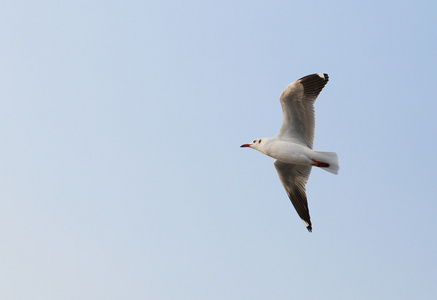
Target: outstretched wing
<point x="297" y="101"/>
<point x="294" y="179"/>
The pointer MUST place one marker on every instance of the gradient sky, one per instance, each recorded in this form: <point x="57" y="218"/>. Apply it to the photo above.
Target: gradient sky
<point x="122" y="175"/>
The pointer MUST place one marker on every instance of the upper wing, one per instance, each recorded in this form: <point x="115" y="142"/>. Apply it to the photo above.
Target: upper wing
<point x="297" y="101"/>
<point x="294" y="179"/>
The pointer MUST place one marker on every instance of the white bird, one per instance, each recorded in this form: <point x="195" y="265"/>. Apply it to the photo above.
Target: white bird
<point x="292" y="146"/>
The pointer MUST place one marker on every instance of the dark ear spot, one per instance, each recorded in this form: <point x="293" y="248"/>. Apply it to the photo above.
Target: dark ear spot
<point x="259" y="141"/>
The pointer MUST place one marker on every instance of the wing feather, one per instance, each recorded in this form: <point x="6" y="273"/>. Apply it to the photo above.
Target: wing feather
<point x="294" y="179"/>
<point x="297" y="102"/>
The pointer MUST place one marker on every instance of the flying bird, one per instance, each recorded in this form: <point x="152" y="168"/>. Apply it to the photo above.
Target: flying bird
<point x="292" y="147"/>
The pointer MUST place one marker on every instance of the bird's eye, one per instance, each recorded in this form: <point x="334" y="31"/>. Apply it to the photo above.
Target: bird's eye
<point x="254" y="141"/>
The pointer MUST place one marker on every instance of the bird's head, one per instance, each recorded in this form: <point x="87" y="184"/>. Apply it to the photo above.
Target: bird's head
<point x="255" y="144"/>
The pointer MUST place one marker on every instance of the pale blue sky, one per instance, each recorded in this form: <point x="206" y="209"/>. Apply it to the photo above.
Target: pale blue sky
<point x="121" y="172"/>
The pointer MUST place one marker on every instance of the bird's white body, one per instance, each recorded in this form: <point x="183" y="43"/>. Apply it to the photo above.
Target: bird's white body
<point x="294" y="153"/>
<point x="285" y="151"/>
<point x="292" y="146"/>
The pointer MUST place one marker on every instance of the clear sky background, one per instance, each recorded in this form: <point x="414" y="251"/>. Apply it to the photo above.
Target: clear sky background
<point x="122" y="175"/>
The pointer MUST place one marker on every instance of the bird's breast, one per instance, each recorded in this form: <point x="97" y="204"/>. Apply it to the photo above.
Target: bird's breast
<point x="289" y="152"/>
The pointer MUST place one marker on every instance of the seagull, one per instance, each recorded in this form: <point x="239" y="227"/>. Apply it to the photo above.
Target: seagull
<point x="292" y="147"/>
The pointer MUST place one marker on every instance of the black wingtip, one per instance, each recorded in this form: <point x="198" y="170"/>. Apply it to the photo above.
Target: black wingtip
<point x="314" y="83"/>
<point x="310" y="229"/>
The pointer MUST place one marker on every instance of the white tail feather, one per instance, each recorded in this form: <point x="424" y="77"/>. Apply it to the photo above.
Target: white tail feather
<point x="328" y="157"/>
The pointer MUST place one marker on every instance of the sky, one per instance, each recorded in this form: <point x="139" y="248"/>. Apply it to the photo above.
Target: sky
<point x="121" y="172"/>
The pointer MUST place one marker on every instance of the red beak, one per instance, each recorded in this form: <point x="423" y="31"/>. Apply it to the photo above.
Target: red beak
<point x="244" y="145"/>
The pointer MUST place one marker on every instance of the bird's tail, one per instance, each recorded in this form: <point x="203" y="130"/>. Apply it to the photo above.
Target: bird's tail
<point x="328" y="161"/>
